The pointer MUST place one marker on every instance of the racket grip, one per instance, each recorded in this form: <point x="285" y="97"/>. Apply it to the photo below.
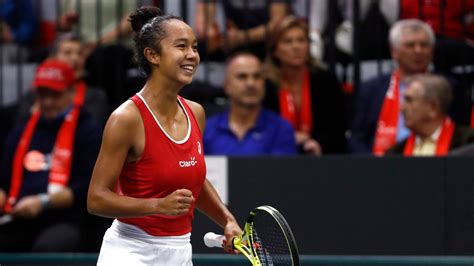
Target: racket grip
<point x="213" y="240"/>
<point x="5" y="219"/>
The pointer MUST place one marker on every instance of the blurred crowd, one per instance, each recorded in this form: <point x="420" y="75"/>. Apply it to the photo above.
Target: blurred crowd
<point x="278" y="77"/>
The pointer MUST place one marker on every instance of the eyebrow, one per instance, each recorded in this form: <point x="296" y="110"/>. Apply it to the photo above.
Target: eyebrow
<point x="184" y="40"/>
<point x="249" y="73"/>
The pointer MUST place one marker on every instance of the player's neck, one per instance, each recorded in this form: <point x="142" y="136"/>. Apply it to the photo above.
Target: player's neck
<point x="160" y="99"/>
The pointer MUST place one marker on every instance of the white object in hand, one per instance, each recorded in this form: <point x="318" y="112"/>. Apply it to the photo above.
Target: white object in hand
<point x="5" y="219"/>
<point x="214" y="240"/>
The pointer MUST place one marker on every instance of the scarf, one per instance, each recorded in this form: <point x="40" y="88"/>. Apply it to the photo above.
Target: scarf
<point x="301" y="119"/>
<point x="442" y="143"/>
<point x="386" y="132"/>
<point x="61" y="159"/>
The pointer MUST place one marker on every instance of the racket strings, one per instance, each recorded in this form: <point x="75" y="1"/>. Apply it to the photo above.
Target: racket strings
<point x="270" y="242"/>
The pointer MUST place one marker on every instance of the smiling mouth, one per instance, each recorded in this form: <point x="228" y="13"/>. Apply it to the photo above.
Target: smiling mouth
<point x="188" y="68"/>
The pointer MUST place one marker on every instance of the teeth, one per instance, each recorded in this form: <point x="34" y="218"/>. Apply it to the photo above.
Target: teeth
<point x="187" y="67"/>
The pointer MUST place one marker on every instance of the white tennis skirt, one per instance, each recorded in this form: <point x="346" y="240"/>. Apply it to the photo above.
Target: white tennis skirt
<point x="126" y="244"/>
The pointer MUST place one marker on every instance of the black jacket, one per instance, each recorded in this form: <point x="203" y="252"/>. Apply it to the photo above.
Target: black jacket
<point x="328" y="107"/>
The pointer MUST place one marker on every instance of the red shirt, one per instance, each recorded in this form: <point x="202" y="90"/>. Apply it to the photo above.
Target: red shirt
<point x="453" y="12"/>
<point x="165" y="166"/>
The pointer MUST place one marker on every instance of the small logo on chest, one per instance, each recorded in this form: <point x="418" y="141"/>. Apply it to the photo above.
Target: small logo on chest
<point x="192" y="162"/>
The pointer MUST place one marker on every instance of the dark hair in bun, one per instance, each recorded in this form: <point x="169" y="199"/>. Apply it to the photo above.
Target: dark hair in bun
<point x="148" y="23"/>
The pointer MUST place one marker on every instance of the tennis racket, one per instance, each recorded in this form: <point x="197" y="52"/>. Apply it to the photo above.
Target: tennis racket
<point x="266" y="239"/>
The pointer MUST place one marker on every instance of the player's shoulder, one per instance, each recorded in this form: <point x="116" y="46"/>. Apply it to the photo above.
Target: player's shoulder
<point x="198" y="112"/>
<point x="196" y="108"/>
<point x="194" y="105"/>
<point x="126" y="115"/>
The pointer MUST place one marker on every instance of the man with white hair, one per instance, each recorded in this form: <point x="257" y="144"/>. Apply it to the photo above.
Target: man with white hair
<point x="378" y="123"/>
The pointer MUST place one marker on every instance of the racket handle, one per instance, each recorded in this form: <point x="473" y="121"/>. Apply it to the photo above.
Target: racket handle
<point x="5" y="219"/>
<point x="213" y="240"/>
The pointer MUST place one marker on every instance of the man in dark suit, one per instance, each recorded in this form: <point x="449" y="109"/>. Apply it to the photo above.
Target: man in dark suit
<point x="377" y="123"/>
<point x="427" y="100"/>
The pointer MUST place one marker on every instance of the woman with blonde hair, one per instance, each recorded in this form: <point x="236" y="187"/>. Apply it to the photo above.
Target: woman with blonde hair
<point x="303" y="92"/>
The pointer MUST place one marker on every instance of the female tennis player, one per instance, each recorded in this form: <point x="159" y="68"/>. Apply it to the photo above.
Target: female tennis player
<point x="150" y="172"/>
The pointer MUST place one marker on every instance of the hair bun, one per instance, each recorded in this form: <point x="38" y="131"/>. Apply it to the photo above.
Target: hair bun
<point x="142" y="15"/>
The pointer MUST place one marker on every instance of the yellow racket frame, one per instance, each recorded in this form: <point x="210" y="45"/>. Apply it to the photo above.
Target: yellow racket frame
<point x="245" y="243"/>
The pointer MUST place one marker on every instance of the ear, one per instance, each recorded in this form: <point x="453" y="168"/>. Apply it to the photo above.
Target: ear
<point x="152" y="56"/>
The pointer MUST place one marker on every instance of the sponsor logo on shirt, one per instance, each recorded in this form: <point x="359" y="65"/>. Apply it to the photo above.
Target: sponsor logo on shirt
<point x="192" y="162"/>
<point x="199" y="147"/>
<point x="36" y="161"/>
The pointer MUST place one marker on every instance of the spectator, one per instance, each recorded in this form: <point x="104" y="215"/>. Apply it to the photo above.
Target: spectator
<point x="303" y="92"/>
<point x="247" y="23"/>
<point x="18" y="22"/>
<point x="247" y="128"/>
<point x="113" y="19"/>
<point x="425" y="108"/>
<point x="108" y="40"/>
<point x="377" y="123"/>
<point x="452" y="22"/>
<point x="68" y="48"/>
<point x="46" y="167"/>
<point x="34" y="24"/>
<point x="52" y="21"/>
<point x="324" y="17"/>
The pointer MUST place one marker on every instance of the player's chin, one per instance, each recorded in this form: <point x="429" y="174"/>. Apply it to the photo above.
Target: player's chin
<point x="185" y="75"/>
<point x="185" y="80"/>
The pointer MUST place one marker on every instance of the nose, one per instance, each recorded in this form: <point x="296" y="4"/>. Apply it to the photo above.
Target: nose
<point x="417" y="48"/>
<point x="295" y="45"/>
<point x="250" y="82"/>
<point x="47" y="100"/>
<point x="192" y="54"/>
<point x="46" y="104"/>
<point x="76" y="58"/>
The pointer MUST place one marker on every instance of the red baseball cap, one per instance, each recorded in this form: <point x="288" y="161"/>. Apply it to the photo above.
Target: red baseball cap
<point x="55" y="75"/>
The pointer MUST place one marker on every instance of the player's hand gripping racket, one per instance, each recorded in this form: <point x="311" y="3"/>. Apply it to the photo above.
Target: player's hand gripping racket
<point x="266" y="240"/>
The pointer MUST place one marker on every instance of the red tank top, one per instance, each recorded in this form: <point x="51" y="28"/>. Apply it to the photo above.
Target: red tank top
<point x="165" y="166"/>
